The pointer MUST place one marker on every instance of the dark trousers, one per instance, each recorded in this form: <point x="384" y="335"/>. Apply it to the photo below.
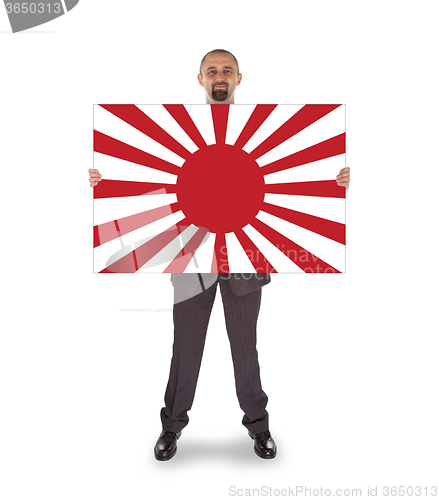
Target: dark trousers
<point x="191" y="318"/>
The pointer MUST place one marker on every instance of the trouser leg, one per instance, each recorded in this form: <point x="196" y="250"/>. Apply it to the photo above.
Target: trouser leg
<point x="241" y="313"/>
<point x="191" y="319"/>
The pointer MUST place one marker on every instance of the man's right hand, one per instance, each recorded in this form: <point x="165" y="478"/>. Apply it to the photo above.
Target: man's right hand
<point x="95" y="177"/>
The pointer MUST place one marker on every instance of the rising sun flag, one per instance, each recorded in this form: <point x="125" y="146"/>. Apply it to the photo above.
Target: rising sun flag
<point x="219" y="188"/>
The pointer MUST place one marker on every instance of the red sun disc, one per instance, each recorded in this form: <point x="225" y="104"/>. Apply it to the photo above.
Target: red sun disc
<point x="220" y="188"/>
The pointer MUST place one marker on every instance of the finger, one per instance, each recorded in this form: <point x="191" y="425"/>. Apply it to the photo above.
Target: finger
<point x="345" y="184"/>
<point x="93" y="170"/>
<point x="344" y="174"/>
<point x="346" y="169"/>
<point x="343" y="177"/>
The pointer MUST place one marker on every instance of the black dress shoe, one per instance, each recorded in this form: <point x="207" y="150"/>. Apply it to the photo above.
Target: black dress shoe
<point x="265" y="447"/>
<point x="166" y="446"/>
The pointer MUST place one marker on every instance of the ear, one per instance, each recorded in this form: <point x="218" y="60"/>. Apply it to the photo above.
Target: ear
<point x="200" y="80"/>
<point x="239" y="79"/>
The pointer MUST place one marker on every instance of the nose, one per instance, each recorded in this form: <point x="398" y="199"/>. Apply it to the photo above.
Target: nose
<point x="221" y="76"/>
<point x="220" y="79"/>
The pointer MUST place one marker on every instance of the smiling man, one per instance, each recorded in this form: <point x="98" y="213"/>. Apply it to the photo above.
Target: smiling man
<point x="194" y="296"/>
<point x="219" y="75"/>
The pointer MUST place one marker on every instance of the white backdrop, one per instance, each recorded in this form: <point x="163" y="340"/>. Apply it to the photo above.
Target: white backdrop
<point x="349" y="362"/>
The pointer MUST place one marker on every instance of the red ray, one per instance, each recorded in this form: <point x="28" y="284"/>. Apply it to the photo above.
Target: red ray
<point x="183" y="118"/>
<point x="133" y="261"/>
<point x="112" y="147"/>
<point x="256" y="257"/>
<point x="220" y="114"/>
<point x="108" y="188"/>
<point x="301" y="257"/>
<point x="134" y="116"/>
<point x="331" y="147"/>
<point x="220" y="262"/>
<point x="111" y="230"/>
<point x="329" y="189"/>
<point x="257" y="118"/>
<point x="307" y="115"/>
<point x="181" y="261"/>
<point x="328" y="228"/>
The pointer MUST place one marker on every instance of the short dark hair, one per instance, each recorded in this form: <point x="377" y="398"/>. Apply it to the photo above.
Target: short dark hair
<point x="217" y="51"/>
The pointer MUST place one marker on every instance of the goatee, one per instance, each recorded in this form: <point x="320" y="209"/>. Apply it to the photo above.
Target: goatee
<point x="219" y="95"/>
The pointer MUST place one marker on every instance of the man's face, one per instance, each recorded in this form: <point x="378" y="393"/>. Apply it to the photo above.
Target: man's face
<point x="220" y="78"/>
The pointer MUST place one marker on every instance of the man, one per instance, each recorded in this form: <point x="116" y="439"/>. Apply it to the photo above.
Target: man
<point x="194" y="295"/>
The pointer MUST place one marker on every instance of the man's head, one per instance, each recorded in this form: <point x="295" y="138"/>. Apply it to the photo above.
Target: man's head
<point x="219" y="75"/>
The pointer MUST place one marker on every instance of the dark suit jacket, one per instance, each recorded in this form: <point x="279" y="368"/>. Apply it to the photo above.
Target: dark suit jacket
<point x="241" y="284"/>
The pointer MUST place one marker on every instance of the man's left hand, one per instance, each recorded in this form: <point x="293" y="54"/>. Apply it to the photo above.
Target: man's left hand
<point x="344" y="177"/>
